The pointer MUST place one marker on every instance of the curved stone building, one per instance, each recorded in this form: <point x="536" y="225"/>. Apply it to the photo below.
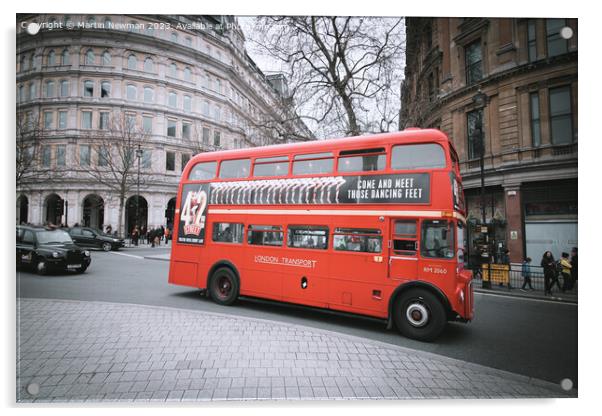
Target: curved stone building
<point x="527" y="71"/>
<point x="166" y="87"/>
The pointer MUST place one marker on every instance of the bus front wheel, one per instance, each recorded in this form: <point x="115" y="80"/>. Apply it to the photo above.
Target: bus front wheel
<point x="418" y="314"/>
<point x="223" y="287"/>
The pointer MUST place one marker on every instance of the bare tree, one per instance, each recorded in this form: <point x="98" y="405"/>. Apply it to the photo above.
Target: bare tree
<point x="30" y="134"/>
<point x="344" y="72"/>
<point x="116" y="151"/>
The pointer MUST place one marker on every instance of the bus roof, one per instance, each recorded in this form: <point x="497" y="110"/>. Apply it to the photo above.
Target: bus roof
<point x="410" y="135"/>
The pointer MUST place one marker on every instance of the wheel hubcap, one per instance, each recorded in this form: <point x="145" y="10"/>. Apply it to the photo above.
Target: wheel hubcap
<point x="417" y="315"/>
<point x="224" y="287"/>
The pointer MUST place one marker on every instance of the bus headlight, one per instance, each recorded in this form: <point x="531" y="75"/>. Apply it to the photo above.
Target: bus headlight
<point x="56" y="254"/>
<point x="86" y="253"/>
<point x="462" y="296"/>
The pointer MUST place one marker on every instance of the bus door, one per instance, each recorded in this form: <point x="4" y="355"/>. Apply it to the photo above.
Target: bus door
<point x="437" y="252"/>
<point x="403" y="247"/>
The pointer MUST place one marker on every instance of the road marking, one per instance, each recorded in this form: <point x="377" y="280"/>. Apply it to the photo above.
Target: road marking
<point x="128" y="255"/>
<point x="525" y="298"/>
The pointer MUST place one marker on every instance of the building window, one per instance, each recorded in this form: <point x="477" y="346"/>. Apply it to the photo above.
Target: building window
<point x="474" y="62"/>
<point x="186" y="129"/>
<point x="174" y="37"/>
<point x="149" y="65"/>
<point x="147" y="124"/>
<point x="48" y="119"/>
<point x="189" y="41"/>
<point x="170" y="161"/>
<point x="431" y="86"/>
<point x="90" y="57"/>
<point x="24" y="63"/>
<point x="561" y="117"/>
<point x="187" y="103"/>
<point x="556" y="44"/>
<point x="88" y="89"/>
<point x="103" y="121"/>
<point x="532" y="39"/>
<point x="61" y="150"/>
<point x="171" y="128"/>
<point x="131" y="92"/>
<point x="206" y="134"/>
<point x="206" y="108"/>
<point x="217" y="113"/>
<point x="148" y="95"/>
<point x="173" y="70"/>
<point x="21" y="97"/>
<point x="84" y="155"/>
<point x="50" y="89"/>
<point x="130" y="122"/>
<point x="46" y="156"/>
<point x="64" y="88"/>
<point x="173" y="100"/>
<point x="86" y="119"/>
<point x="103" y="156"/>
<point x="216" y="138"/>
<point x="146" y="158"/>
<point x="132" y="62"/>
<point x="187" y="74"/>
<point x="65" y="57"/>
<point x="32" y="91"/>
<point x="185" y="160"/>
<point x="475" y="138"/>
<point x="535" y="119"/>
<point x="51" y="58"/>
<point x="105" y="89"/>
<point x="62" y="119"/>
<point x="106" y="58"/>
<point x="218" y="86"/>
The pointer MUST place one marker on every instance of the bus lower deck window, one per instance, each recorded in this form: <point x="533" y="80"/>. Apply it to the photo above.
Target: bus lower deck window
<point x="315" y="237"/>
<point x="227" y="232"/>
<point x="265" y="235"/>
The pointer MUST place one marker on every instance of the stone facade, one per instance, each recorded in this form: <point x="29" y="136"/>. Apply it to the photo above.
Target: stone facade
<point x="528" y="73"/>
<point x="185" y="81"/>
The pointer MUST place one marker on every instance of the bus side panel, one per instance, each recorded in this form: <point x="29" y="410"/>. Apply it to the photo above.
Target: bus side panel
<point x="262" y="274"/>
<point x="307" y="283"/>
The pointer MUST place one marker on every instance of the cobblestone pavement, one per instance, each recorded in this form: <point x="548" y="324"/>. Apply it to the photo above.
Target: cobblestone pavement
<point x="72" y="351"/>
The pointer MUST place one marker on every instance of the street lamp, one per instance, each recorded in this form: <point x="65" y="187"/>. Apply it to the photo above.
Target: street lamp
<point x="138" y="155"/>
<point x="479" y="101"/>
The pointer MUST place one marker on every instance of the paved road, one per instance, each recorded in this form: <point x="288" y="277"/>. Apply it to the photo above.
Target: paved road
<point x="534" y="338"/>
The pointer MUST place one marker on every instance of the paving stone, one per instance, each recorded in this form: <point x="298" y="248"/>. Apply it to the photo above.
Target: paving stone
<point x="72" y="350"/>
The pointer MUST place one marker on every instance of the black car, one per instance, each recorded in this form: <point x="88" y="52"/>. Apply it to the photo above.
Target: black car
<point x="89" y="237"/>
<point x="45" y="249"/>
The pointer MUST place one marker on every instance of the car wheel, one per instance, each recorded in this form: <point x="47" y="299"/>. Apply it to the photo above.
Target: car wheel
<point x="224" y="286"/>
<point x="41" y="267"/>
<point x="418" y="314"/>
<point x="106" y="246"/>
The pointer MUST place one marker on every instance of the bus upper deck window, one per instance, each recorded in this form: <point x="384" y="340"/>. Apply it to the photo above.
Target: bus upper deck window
<point x="314" y="163"/>
<point x="230" y="169"/>
<point x="418" y="156"/>
<point x="437" y="239"/>
<point x="203" y="171"/>
<point x="362" y="160"/>
<point x="271" y="166"/>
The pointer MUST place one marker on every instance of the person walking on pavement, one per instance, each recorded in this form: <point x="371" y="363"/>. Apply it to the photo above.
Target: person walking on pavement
<point x="109" y="229"/>
<point x="151" y="237"/>
<point x="573" y="267"/>
<point x="526" y="273"/>
<point x="549" y="271"/>
<point x="565" y="270"/>
<point x="135" y="235"/>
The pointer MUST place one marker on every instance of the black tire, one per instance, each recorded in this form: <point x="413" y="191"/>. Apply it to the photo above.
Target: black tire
<point x="223" y="287"/>
<point x="81" y="269"/>
<point x="419" y="314"/>
<point x="106" y="246"/>
<point x="41" y="267"/>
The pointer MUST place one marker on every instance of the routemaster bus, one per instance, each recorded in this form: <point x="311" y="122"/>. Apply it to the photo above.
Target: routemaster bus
<point x="369" y="225"/>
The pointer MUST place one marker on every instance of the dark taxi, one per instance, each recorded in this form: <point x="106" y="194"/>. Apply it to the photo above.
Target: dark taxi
<point x="45" y="250"/>
<point x="90" y="237"/>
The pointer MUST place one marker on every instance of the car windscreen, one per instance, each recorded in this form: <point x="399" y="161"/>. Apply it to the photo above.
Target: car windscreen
<point x="53" y="237"/>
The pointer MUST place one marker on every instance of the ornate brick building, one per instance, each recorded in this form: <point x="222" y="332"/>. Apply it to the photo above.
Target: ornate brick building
<point x="527" y="71"/>
<point x="182" y="84"/>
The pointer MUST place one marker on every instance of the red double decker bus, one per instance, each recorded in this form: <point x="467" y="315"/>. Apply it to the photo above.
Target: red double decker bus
<point x="371" y="225"/>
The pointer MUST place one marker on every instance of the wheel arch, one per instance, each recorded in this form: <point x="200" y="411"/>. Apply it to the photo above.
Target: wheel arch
<point x="418" y="284"/>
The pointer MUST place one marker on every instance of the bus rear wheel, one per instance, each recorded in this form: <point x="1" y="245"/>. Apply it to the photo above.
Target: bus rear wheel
<point x="418" y="314"/>
<point x="223" y="287"/>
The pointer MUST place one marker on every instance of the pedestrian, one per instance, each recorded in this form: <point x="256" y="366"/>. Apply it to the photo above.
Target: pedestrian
<point x="135" y="235"/>
<point x="151" y="237"/>
<point x="109" y="229"/>
<point x="143" y="235"/>
<point x="167" y="234"/>
<point x="573" y="266"/>
<point x="549" y="271"/>
<point x="526" y="273"/>
<point x="161" y="232"/>
<point x="565" y="271"/>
